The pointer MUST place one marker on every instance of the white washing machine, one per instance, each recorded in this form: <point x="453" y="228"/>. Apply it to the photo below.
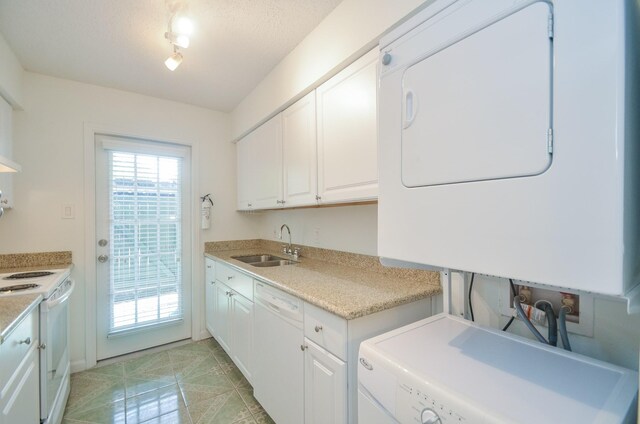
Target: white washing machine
<point x="445" y="369"/>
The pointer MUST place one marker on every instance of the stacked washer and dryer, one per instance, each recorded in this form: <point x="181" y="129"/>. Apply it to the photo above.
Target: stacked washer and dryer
<point x="508" y="146"/>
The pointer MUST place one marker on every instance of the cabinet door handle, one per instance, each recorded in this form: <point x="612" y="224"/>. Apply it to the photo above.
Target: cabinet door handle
<point x="230" y="277"/>
<point x="303" y="347"/>
<point x="318" y="328"/>
<point x="227" y="292"/>
<point x="26" y="341"/>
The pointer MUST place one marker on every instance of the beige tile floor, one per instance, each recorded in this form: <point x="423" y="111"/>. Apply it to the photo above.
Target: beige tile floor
<point x="193" y="383"/>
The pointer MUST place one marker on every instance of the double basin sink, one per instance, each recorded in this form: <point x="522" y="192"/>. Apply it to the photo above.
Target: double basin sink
<point x="264" y="260"/>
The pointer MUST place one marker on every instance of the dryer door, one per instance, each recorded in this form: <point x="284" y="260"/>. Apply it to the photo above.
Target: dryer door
<point x="480" y="108"/>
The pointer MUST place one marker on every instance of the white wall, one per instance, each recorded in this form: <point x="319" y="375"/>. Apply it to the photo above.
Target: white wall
<point x="10" y="75"/>
<point x="615" y="333"/>
<point x="48" y="142"/>
<point x="349" y="30"/>
<point x="347" y="228"/>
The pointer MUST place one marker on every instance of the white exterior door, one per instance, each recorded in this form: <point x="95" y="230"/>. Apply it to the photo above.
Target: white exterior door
<point x="143" y="236"/>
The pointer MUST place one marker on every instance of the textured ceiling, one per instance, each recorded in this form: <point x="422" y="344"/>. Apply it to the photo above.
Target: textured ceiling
<point x="120" y="43"/>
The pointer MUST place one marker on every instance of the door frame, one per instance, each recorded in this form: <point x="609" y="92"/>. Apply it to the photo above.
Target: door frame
<point x="90" y="269"/>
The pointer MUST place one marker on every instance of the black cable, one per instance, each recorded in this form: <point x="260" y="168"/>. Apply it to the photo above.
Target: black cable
<point x="473" y="274"/>
<point x="552" y="324"/>
<point x="513" y="290"/>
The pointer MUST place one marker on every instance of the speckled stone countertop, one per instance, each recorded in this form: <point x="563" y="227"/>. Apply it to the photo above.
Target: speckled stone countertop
<point x="346" y="284"/>
<point x="14" y="308"/>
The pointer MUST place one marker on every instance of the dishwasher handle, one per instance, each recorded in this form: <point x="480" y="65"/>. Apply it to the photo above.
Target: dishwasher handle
<point x="280" y="307"/>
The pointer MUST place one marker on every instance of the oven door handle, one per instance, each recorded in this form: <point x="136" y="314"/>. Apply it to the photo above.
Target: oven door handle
<point x="63" y="298"/>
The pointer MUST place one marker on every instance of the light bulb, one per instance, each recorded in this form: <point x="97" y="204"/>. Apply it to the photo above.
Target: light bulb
<point x="179" y="40"/>
<point x="183" y="25"/>
<point x="173" y="61"/>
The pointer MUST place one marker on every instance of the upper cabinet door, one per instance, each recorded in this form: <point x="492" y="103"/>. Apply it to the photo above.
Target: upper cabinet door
<point x="260" y="167"/>
<point x="243" y="171"/>
<point x="347" y="133"/>
<point x="6" y="150"/>
<point x="300" y="173"/>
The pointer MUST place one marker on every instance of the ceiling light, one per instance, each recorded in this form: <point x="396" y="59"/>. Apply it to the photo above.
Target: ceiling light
<point x="183" y="25"/>
<point x="179" y="40"/>
<point x="174" y="60"/>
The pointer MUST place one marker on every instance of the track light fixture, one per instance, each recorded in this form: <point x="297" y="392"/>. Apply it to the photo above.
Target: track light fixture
<point x="174" y="60"/>
<point x="178" y="30"/>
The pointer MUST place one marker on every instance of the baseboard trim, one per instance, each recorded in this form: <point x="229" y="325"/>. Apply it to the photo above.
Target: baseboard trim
<point x="79" y="365"/>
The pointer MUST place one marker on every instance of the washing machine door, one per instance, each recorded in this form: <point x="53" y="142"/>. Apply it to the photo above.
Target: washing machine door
<point x="479" y="108"/>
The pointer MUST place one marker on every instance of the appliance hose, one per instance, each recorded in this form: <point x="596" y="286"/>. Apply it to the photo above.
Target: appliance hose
<point x="552" y="323"/>
<point x="563" y="328"/>
<point x="525" y="319"/>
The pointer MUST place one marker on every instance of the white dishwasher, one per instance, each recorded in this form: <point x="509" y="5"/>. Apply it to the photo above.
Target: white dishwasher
<point x="279" y="358"/>
<point x="445" y="369"/>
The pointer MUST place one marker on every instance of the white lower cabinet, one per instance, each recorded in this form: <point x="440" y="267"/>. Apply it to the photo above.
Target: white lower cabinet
<point x="19" y="355"/>
<point x="209" y="293"/>
<point x="325" y="386"/>
<point x="300" y="359"/>
<point x="242" y="334"/>
<point x="222" y="315"/>
<point x="229" y="318"/>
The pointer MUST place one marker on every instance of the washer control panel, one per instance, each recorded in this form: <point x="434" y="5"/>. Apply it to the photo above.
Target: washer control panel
<point x="415" y="405"/>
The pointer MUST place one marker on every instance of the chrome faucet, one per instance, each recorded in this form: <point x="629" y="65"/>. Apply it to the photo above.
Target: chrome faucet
<point x="286" y="249"/>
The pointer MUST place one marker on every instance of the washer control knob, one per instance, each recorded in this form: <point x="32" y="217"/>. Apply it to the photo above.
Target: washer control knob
<point x="429" y="416"/>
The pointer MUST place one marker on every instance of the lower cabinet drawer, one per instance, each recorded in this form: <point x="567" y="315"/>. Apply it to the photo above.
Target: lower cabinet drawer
<point x="326" y="329"/>
<point x="15" y="347"/>
<point x="236" y="280"/>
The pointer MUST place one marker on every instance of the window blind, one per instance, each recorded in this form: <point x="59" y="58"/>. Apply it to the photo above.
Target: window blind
<point x="145" y="226"/>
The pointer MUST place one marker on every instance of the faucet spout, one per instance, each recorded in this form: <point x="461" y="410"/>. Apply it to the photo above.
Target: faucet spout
<point x="288" y="231"/>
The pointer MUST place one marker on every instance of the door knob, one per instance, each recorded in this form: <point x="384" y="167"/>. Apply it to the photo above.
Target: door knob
<point x="103" y="258"/>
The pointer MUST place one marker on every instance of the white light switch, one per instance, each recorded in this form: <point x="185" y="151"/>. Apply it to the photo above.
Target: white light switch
<point x="68" y="211"/>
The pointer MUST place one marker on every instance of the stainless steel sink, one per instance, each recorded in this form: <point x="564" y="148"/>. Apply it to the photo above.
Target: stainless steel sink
<point x="274" y="263"/>
<point x="264" y="260"/>
<point x="257" y="258"/>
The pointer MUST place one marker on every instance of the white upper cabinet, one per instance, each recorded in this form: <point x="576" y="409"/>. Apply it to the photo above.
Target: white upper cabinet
<point x="300" y="175"/>
<point x="6" y="150"/>
<point x="242" y="174"/>
<point x="259" y="156"/>
<point x="321" y="149"/>
<point x="347" y="134"/>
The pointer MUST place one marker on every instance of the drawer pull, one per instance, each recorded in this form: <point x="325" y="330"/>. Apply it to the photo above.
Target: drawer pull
<point x="42" y="346"/>
<point x="230" y="277"/>
<point x="303" y="347"/>
<point x="26" y="341"/>
<point x="318" y="328"/>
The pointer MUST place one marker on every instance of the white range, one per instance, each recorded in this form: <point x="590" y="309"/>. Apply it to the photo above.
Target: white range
<point x="55" y="286"/>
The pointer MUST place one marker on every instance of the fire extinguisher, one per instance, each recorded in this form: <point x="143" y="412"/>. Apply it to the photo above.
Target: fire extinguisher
<point x="205" y="210"/>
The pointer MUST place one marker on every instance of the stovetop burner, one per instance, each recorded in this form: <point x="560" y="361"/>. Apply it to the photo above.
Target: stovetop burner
<point x="18" y="287"/>
<point x="22" y="275"/>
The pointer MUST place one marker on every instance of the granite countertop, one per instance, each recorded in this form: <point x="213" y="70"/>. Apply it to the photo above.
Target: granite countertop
<point x="13" y="309"/>
<point x="349" y="289"/>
